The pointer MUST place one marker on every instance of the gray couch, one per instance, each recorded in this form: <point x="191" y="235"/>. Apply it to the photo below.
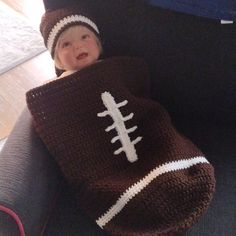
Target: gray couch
<point x="192" y="62"/>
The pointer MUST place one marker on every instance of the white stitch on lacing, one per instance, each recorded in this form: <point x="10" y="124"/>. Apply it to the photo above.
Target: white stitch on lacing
<point x="119" y="125"/>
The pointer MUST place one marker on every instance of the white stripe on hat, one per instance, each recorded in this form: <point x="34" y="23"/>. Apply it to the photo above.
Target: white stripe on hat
<point x="136" y="188"/>
<point x="67" y="20"/>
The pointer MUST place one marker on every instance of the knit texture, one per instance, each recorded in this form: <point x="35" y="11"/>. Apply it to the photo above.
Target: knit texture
<point x="53" y="23"/>
<point x="131" y="171"/>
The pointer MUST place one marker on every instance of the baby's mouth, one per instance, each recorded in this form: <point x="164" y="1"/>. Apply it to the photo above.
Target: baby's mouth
<point x="82" y="56"/>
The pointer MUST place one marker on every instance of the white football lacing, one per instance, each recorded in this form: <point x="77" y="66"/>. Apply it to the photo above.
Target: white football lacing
<point x="119" y="125"/>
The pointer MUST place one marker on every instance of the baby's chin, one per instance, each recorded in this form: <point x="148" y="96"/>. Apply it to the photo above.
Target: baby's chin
<point x="82" y="66"/>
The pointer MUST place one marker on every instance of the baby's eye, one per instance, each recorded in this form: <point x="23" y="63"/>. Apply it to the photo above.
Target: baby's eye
<point x="85" y="36"/>
<point x="66" y="44"/>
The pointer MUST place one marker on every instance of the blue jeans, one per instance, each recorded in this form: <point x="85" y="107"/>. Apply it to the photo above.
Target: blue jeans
<point x="218" y="9"/>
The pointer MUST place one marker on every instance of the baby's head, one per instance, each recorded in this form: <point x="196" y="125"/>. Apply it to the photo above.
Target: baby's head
<point x="72" y="39"/>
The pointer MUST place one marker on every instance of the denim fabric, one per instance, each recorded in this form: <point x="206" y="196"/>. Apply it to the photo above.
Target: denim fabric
<point x="217" y="9"/>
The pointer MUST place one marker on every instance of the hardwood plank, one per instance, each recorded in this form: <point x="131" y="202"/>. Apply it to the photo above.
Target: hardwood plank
<point x="16" y="82"/>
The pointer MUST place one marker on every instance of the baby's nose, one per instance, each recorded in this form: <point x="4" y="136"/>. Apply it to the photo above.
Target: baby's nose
<point x="78" y="45"/>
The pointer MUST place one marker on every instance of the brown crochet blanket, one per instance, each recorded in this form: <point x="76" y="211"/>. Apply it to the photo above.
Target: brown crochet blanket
<point x="132" y="171"/>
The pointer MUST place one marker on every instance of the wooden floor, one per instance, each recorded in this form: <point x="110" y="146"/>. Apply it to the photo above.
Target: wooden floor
<point x="15" y="83"/>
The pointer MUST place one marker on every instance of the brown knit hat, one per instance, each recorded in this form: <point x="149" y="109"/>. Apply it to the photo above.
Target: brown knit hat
<point x="54" y="22"/>
<point x="132" y="171"/>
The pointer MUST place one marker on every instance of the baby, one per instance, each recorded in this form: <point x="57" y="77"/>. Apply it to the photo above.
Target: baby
<point x="73" y="42"/>
<point x="130" y="169"/>
<point x="76" y="48"/>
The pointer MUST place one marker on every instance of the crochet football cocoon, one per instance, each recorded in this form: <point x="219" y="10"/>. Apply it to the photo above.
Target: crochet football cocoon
<point x="131" y="170"/>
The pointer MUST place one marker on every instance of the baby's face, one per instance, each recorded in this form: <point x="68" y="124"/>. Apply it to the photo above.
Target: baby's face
<point x="77" y="47"/>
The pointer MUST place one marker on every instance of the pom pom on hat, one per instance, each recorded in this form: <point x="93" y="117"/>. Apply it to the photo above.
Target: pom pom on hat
<point x="53" y="23"/>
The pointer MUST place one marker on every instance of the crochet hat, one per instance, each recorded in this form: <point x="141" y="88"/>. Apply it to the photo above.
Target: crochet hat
<point x="54" y="22"/>
<point x="131" y="170"/>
